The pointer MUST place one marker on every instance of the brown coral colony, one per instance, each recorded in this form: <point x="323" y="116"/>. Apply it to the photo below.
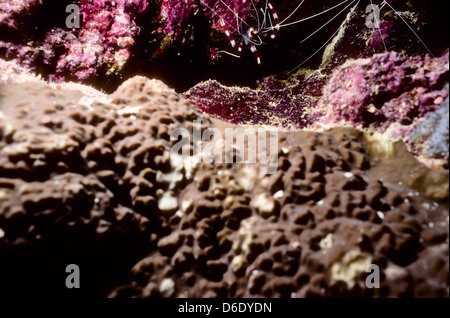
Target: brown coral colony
<point x="214" y="230"/>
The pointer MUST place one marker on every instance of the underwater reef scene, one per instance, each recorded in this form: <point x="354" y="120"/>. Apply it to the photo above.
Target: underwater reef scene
<point x="98" y="98"/>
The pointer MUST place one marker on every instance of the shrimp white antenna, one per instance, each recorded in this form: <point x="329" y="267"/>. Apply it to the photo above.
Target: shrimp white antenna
<point x="257" y="15"/>
<point x="229" y="53"/>
<point x="329" y="21"/>
<point x="315" y="15"/>
<point x="271" y="25"/>
<point x="412" y="30"/>
<point x="292" y="13"/>
<point x="264" y="14"/>
<point x="311" y="56"/>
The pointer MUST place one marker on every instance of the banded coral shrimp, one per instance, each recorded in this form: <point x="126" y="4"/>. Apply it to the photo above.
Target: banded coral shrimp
<point x="202" y="34"/>
<point x="250" y="34"/>
<point x="305" y="28"/>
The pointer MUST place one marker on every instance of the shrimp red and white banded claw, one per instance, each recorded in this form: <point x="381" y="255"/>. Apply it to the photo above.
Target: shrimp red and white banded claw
<point x="276" y="20"/>
<point x="248" y="33"/>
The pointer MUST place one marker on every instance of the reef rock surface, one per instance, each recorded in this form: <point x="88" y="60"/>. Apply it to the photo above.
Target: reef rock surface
<point x="387" y="91"/>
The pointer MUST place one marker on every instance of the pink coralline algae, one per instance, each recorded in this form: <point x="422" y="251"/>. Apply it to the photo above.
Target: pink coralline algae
<point x="105" y="39"/>
<point x="387" y="88"/>
<point x="380" y="35"/>
<point x="375" y="92"/>
<point x="101" y="44"/>
<point x="276" y="103"/>
<point x="10" y="8"/>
